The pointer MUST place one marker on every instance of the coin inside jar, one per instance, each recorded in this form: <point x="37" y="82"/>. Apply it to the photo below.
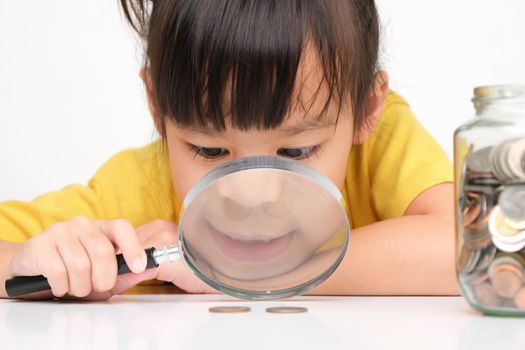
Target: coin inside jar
<point x="499" y="227"/>
<point x="479" y="161"/>
<point x="516" y="152"/>
<point x="512" y="204"/>
<point x="506" y="159"/>
<point x="229" y="309"/>
<point x="486" y="294"/>
<point x="286" y="310"/>
<point x="506" y="275"/>
<point x="472" y="210"/>
<point x="519" y="299"/>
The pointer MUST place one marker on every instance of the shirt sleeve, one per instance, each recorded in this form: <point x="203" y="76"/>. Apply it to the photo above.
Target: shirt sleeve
<point x="405" y="160"/>
<point x="19" y="221"/>
<point x="121" y="188"/>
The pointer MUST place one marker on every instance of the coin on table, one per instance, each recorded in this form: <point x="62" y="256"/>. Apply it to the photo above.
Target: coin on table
<point x="479" y="161"/>
<point x="286" y="310"/>
<point x="512" y="202"/>
<point x="229" y="309"/>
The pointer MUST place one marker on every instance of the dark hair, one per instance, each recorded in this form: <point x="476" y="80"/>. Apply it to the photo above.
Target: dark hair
<point x="198" y="51"/>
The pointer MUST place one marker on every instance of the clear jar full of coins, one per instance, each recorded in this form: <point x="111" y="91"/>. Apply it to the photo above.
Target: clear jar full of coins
<point x="489" y="161"/>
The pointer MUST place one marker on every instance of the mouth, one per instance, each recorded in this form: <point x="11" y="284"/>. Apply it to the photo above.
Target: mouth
<point x="250" y="249"/>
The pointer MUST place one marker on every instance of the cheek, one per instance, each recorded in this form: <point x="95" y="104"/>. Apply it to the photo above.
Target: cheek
<point x="334" y="159"/>
<point x="185" y="170"/>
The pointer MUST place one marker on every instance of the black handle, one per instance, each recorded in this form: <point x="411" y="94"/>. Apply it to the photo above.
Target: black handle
<point x="22" y="285"/>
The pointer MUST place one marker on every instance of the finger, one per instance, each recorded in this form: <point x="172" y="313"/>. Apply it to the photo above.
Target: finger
<point x="123" y="234"/>
<point x="180" y="275"/>
<point x="167" y="230"/>
<point x="129" y="280"/>
<point x="75" y="258"/>
<point x="102" y="256"/>
<point x="46" y="262"/>
<point x="43" y="295"/>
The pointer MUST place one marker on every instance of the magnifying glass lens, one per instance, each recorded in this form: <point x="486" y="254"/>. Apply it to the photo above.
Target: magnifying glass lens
<point x="264" y="228"/>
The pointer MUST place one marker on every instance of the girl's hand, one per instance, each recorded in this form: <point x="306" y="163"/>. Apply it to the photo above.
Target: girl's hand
<point x="162" y="233"/>
<point x="78" y="259"/>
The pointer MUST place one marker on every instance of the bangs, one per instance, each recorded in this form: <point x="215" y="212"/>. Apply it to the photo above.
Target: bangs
<point x="214" y="62"/>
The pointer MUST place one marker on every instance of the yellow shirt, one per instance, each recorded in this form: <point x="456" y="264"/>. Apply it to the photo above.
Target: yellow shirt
<point x="385" y="173"/>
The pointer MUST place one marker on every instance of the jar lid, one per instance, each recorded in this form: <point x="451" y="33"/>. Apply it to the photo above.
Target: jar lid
<point x="498" y="91"/>
<point x="486" y="95"/>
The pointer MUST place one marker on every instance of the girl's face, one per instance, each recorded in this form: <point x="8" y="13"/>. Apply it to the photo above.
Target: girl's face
<point x="319" y="142"/>
<point x="323" y="143"/>
<point x="239" y="230"/>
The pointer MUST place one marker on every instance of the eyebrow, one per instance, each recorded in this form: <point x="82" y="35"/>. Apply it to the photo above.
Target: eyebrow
<point x="303" y="126"/>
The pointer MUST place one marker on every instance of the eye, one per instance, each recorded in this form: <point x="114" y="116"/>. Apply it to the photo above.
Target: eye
<point x="299" y="153"/>
<point x="208" y="153"/>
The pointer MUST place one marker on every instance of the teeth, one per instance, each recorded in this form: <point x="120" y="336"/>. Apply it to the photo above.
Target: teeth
<point x="244" y="240"/>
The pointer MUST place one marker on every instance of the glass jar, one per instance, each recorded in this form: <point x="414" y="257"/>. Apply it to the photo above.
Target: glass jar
<point x="489" y="162"/>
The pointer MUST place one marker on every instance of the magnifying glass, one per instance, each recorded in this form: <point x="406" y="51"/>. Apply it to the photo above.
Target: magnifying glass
<point x="258" y="228"/>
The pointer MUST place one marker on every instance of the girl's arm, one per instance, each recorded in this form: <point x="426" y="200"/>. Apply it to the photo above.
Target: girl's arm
<point x="410" y="255"/>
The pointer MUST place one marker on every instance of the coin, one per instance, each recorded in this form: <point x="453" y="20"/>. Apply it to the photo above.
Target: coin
<point x="472" y="210"/>
<point x="506" y="159"/>
<point x="229" y="309"/>
<point x="498" y="226"/>
<point x="286" y="310"/>
<point x="468" y="259"/>
<point x="515" y="155"/>
<point x="519" y="299"/>
<point x="486" y="257"/>
<point x="486" y="295"/>
<point x="484" y="181"/>
<point x="498" y="160"/>
<point x="508" y="247"/>
<point x="495" y="157"/>
<point x="476" y="215"/>
<point x="512" y="202"/>
<point x="487" y="190"/>
<point x="505" y="237"/>
<point x="506" y="275"/>
<point x="479" y="161"/>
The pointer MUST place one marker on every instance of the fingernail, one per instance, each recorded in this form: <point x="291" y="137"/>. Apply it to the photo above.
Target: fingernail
<point x="137" y="265"/>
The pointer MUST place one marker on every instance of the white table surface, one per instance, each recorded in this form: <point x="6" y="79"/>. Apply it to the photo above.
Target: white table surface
<point x="183" y="322"/>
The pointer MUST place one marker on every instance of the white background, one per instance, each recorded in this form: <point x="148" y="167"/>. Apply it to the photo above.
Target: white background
<point x="70" y="95"/>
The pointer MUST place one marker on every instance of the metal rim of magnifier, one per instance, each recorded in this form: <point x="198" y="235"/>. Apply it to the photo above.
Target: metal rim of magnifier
<point x="264" y="162"/>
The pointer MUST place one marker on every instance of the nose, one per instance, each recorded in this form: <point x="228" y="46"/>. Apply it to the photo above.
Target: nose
<point x="252" y="188"/>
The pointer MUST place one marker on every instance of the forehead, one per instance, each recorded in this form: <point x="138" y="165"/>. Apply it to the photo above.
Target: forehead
<point x="312" y="103"/>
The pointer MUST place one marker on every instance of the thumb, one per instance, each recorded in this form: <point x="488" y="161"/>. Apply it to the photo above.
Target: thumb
<point x="129" y="280"/>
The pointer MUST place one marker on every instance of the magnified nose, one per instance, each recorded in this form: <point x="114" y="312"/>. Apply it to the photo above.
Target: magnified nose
<point x="251" y="189"/>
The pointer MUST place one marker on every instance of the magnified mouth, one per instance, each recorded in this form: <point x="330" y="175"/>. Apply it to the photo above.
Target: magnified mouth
<point x="247" y="249"/>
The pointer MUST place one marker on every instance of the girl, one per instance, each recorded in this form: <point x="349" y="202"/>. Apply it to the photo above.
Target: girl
<point x="232" y="78"/>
